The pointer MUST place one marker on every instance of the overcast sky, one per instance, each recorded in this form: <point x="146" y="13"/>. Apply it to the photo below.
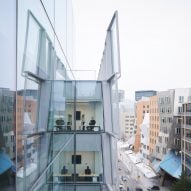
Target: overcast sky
<point x="155" y="40"/>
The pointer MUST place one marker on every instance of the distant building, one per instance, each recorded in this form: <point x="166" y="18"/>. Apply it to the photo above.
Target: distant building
<point x="142" y="107"/>
<point x="127" y="119"/>
<point x="144" y="93"/>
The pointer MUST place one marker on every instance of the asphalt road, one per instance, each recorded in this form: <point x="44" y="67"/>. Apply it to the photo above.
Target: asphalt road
<point x="131" y="182"/>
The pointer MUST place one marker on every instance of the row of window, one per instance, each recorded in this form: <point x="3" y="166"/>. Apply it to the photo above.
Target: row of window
<point x="166" y="120"/>
<point x="154" y="118"/>
<point x="131" y="116"/>
<point x="154" y="133"/>
<point x="164" y="100"/>
<point x="154" y="126"/>
<point x="154" y="110"/>
<point x="132" y="121"/>
<point x="165" y="110"/>
<point x="161" y="150"/>
<point x="165" y="139"/>
<point x="153" y="141"/>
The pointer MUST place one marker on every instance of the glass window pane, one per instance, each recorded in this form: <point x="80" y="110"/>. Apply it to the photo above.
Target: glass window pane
<point x="90" y="167"/>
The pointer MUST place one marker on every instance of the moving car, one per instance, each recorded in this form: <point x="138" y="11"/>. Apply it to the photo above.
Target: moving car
<point x="153" y="188"/>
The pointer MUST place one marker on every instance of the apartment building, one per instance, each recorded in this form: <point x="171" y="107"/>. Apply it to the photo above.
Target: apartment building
<point x="169" y="142"/>
<point x="186" y="138"/>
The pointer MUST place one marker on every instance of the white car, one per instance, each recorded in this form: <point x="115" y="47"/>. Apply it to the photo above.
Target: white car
<point x="124" y="178"/>
<point x="121" y="187"/>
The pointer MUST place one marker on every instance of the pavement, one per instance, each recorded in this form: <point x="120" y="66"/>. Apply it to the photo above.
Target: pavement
<point x="135" y="178"/>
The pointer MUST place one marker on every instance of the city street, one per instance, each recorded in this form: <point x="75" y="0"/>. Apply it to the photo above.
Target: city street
<point x="135" y="178"/>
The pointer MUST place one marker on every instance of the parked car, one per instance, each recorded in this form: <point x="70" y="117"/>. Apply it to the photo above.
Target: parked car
<point x="138" y="189"/>
<point x="128" y="189"/>
<point x="153" y="188"/>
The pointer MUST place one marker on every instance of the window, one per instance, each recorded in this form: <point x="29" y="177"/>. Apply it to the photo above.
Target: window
<point x="166" y="139"/>
<point x="180" y="109"/>
<point x="157" y="149"/>
<point x="181" y="99"/>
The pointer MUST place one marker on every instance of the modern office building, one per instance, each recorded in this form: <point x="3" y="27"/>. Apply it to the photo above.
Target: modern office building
<point x="67" y="129"/>
<point x="154" y="124"/>
<point x="142" y="107"/>
<point x="144" y="93"/>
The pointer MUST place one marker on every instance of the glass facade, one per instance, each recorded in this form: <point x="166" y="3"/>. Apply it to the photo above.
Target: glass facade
<point x="65" y="135"/>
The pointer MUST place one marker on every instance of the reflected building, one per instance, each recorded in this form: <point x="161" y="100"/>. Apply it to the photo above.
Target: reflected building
<point x="7" y="121"/>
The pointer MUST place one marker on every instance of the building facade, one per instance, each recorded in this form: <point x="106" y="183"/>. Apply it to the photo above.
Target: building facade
<point x="67" y="134"/>
<point x="186" y="138"/>
<point x="154" y="124"/>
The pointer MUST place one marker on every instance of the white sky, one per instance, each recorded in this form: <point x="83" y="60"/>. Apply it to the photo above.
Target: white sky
<point x="155" y="40"/>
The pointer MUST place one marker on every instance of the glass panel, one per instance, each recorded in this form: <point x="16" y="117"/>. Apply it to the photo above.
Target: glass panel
<point x="89" y="167"/>
<point x="61" y="114"/>
<point x="88" y="188"/>
<point x="37" y="52"/>
<point x="114" y="106"/>
<point x="63" y="164"/>
<point x="7" y="94"/>
<point x="31" y="96"/>
<point x="89" y="106"/>
<point x="35" y="149"/>
<point x="115" y="47"/>
<point x="30" y="60"/>
<point x="88" y="90"/>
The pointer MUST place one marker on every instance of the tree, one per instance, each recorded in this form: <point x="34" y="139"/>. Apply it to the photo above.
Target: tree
<point x="183" y="184"/>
